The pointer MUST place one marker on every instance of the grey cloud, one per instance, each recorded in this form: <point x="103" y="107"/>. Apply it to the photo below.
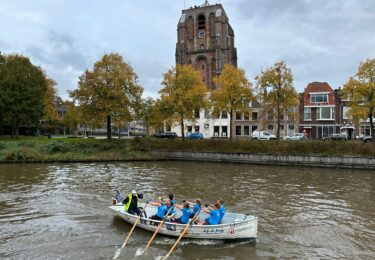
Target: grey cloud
<point x="60" y="50"/>
<point x="319" y="39"/>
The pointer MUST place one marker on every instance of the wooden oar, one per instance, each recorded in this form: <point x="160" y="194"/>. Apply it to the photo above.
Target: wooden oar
<point x="182" y="234"/>
<point x="131" y="231"/>
<point x="157" y="230"/>
<point x="135" y="224"/>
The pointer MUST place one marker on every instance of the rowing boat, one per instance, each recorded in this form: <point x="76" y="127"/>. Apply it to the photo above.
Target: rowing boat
<point x="234" y="226"/>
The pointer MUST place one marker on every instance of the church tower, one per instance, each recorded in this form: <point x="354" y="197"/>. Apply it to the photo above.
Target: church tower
<point x="206" y="41"/>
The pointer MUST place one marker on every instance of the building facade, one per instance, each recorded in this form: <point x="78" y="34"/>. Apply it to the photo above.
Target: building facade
<point x="261" y="119"/>
<point x="320" y="110"/>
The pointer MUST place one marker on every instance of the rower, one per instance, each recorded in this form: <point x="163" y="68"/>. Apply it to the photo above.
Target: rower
<point x="214" y="217"/>
<point x="221" y="209"/>
<point x="172" y="203"/>
<point x="184" y="219"/>
<point x="162" y="209"/>
<point x="196" y="206"/>
<point x="131" y="203"/>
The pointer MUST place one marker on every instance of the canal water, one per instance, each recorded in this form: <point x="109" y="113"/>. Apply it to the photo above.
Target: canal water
<point x="60" y="211"/>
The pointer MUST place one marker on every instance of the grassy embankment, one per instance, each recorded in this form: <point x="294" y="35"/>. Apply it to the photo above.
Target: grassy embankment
<point x="38" y="149"/>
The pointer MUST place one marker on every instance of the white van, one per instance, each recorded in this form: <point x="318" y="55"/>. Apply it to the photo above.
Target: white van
<point x="262" y="135"/>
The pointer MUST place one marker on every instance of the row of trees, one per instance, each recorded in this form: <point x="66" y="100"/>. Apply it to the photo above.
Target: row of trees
<point x="111" y="91"/>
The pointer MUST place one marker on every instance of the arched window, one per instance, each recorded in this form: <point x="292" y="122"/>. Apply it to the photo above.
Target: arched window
<point x="201" y="22"/>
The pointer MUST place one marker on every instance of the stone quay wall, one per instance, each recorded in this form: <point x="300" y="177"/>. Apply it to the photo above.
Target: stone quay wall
<point x="270" y="159"/>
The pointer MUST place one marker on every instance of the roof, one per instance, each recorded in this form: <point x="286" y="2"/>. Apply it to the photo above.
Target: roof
<point x="318" y="87"/>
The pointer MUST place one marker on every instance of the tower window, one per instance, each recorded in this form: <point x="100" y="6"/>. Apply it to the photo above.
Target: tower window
<point x="202" y="67"/>
<point x="202" y="46"/>
<point x="201" y="22"/>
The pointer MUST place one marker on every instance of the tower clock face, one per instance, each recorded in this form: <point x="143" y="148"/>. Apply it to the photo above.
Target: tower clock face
<point x="201" y="34"/>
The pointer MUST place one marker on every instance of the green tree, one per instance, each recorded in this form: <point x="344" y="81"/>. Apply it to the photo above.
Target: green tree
<point x="233" y="93"/>
<point x="276" y="91"/>
<point x="109" y="91"/>
<point x="361" y="92"/>
<point x="22" y="89"/>
<point x="182" y="94"/>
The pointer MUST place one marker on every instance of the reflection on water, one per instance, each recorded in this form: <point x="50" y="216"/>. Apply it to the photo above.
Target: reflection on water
<point x="61" y="210"/>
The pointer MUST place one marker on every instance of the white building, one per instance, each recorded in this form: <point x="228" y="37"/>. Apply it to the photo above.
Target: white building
<point x="209" y="127"/>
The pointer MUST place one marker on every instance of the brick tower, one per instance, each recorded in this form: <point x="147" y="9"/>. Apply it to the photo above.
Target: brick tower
<point x="205" y="40"/>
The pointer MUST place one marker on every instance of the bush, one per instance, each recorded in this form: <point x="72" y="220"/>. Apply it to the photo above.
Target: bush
<point x="3" y="145"/>
<point x="26" y="143"/>
<point x="57" y="146"/>
<point x="18" y="154"/>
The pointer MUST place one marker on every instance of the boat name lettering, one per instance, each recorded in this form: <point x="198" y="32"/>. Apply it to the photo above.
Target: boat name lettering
<point x="213" y="231"/>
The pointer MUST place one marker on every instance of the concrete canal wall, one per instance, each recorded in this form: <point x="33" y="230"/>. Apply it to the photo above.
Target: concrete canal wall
<point x="270" y="159"/>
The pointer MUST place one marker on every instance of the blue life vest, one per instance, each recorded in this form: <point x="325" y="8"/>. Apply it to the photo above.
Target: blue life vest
<point x="214" y="217"/>
<point x="196" y="208"/>
<point x="222" y="212"/>
<point x="185" y="215"/>
<point x="161" y="210"/>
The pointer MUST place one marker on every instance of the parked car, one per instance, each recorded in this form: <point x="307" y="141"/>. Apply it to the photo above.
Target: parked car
<point x="295" y="137"/>
<point x="195" y="135"/>
<point x="366" y="138"/>
<point x="166" y="135"/>
<point x="336" y="137"/>
<point x="262" y="135"/>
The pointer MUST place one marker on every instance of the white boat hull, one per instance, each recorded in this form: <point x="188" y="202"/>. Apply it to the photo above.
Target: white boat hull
<point x="234" y="227"/>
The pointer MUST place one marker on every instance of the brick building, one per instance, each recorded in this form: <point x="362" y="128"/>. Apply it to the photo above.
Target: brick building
<point x="320" y="110"/>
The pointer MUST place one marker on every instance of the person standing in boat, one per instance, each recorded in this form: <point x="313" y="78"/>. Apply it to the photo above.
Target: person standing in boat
<point x="220" y="202"/>
<point x="184" y="219"/>
<point x="196" y="206"/>
<point x="131" y="203"/>
<point x="214" y="217"/>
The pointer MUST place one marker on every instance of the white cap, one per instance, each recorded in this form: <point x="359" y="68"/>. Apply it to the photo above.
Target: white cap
<point x="134" y="192"/>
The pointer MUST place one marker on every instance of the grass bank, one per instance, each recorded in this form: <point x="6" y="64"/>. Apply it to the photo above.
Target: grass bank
<point x="42" y="149"/>
<point x="39" y="149"/>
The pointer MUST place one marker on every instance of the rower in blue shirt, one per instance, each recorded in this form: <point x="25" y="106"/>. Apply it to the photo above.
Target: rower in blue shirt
<point x="214" y="217"/>
<point x="161" y="210"/>
<point x="184" y="219"/>
<point x="221" y="209"/>
<point x="196" y="206"/>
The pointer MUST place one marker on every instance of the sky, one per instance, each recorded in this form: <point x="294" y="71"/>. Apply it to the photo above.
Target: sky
<point x="320" y="40"/>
